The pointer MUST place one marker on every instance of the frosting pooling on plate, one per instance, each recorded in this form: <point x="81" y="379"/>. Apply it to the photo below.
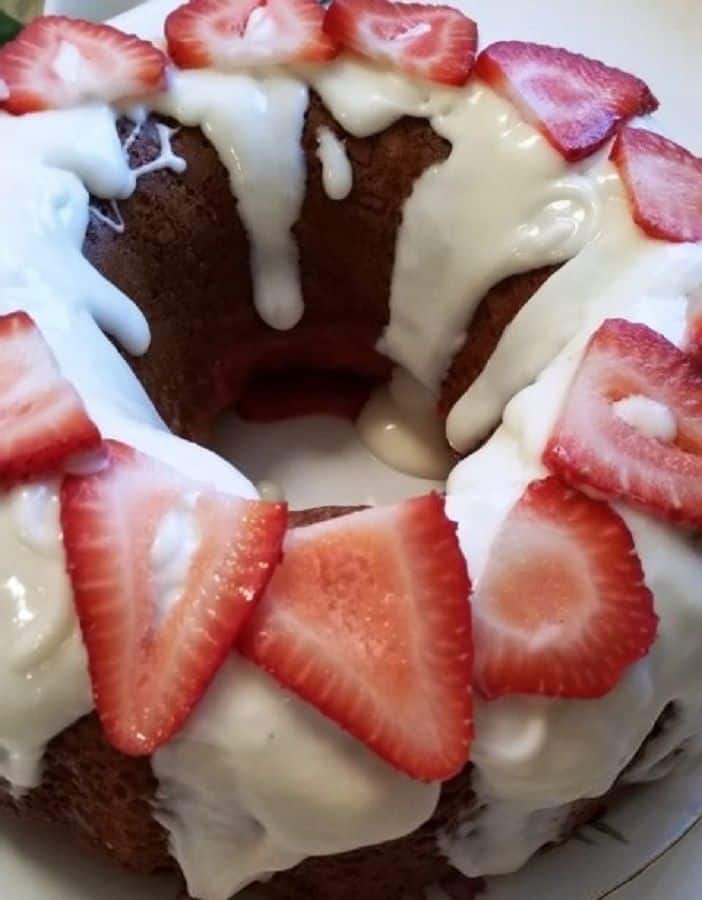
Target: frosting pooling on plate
<point x="529" y="758"/>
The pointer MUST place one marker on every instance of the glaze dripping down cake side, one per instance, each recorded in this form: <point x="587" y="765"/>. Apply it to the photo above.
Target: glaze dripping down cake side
<point x="282" y="214"/>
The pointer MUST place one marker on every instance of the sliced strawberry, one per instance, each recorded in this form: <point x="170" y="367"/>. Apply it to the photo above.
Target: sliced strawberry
<point x="693" y="332"/>
<point x="152" y="651"/>
<point x="436" y="43"/>
<point x="42" y="418"/>
<point x="593" y="444"/>
<point x="229" y="34"/>
<point x="562" y="609"/>
<point x="58" y="62"/>
<point x="368" y="619"/>
<point x="576" y="102"/>
<point x="663" y="182"/>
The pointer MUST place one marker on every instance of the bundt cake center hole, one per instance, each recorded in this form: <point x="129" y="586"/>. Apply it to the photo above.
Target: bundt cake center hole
<point x="275" y="395"/>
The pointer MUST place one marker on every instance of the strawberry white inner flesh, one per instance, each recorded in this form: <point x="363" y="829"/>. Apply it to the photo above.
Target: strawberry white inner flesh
<point x="649" y="417"/>
<point x="164" y="572"/>
<point x="562" y="608"/>
<point x="437" y="43"/>
<point x="262" y="36"/>
<point x="575" y="101"/>
<point x="531" y="594"/>
<point x="231" y="34"/>
<point x="664" y="183"/>
<point x="655" y="460"/>
<point x="368" y="619"/>
<point x="172" y="552"/>
<point x="58" y="62"/>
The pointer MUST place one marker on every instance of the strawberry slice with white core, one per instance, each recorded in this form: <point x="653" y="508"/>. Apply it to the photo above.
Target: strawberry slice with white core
<point x="653" y="460"/>
<point x="42" y="419"/>
<point x="436" y="43"/>
<point x="576" y="102"/>
<point x="58" y="62"/>
<point x="562" y="609"/>
<point x="663" y="182"/>
<point x="230" y="34"/>
<point x="154" y="643"/>
<point x="368" y="619"/>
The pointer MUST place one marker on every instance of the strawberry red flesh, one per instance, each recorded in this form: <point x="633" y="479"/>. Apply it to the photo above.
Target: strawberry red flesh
<point x="576" y="102"/>
<point x="663" y="182"/>
<point x="42" y="418"/>
<point x="436" y="43"/>
<point x="153" y="654"/>
<point x="230" y="34"/>
<point x="592" y="446"/>
<point x="58" y="62"/>
<point x="368" y="619"/>
<point x="693" y="331"/>
<point x="562" y="609"/>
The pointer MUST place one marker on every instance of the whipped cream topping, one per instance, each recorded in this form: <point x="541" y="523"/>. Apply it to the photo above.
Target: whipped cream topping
<point x="533" y="756"/>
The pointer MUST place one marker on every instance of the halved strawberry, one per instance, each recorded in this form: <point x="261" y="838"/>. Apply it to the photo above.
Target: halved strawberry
<point x="576" y="102"/>
<point x="594" y="446"/>
<point x="663" y="182"/>
<point x="58" y="62"/>
<point x="368" y="619"/>
<point x="229" y="34"/>
<point x="437" y="43"/>
<point x="562" y="608"/>
<point x="153" y="649"/>
<point x="42" y="418"/>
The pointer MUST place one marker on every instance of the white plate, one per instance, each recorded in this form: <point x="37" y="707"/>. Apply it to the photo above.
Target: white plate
<point x="646" y="847"/>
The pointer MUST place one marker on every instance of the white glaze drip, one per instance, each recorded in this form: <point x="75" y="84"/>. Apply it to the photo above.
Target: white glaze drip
<point x="270" y="491"/>
<point x="115" y="221"/>
<point x="255" y="124"/>
<point x="337" y="174"/>
<point x="166" y="158"/>
<point x="503" y="195"/>
<point x="43" y="664"/>
<point x="401" y="425"/>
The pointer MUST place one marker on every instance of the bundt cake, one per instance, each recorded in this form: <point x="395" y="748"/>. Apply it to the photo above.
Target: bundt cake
<point x="280" y="207"/>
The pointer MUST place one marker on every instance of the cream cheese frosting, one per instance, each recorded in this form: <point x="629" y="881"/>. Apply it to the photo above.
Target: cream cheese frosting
<point x="257" y="780"/>
<point x="533" y="755"/>
<point x="42" y="271"/>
